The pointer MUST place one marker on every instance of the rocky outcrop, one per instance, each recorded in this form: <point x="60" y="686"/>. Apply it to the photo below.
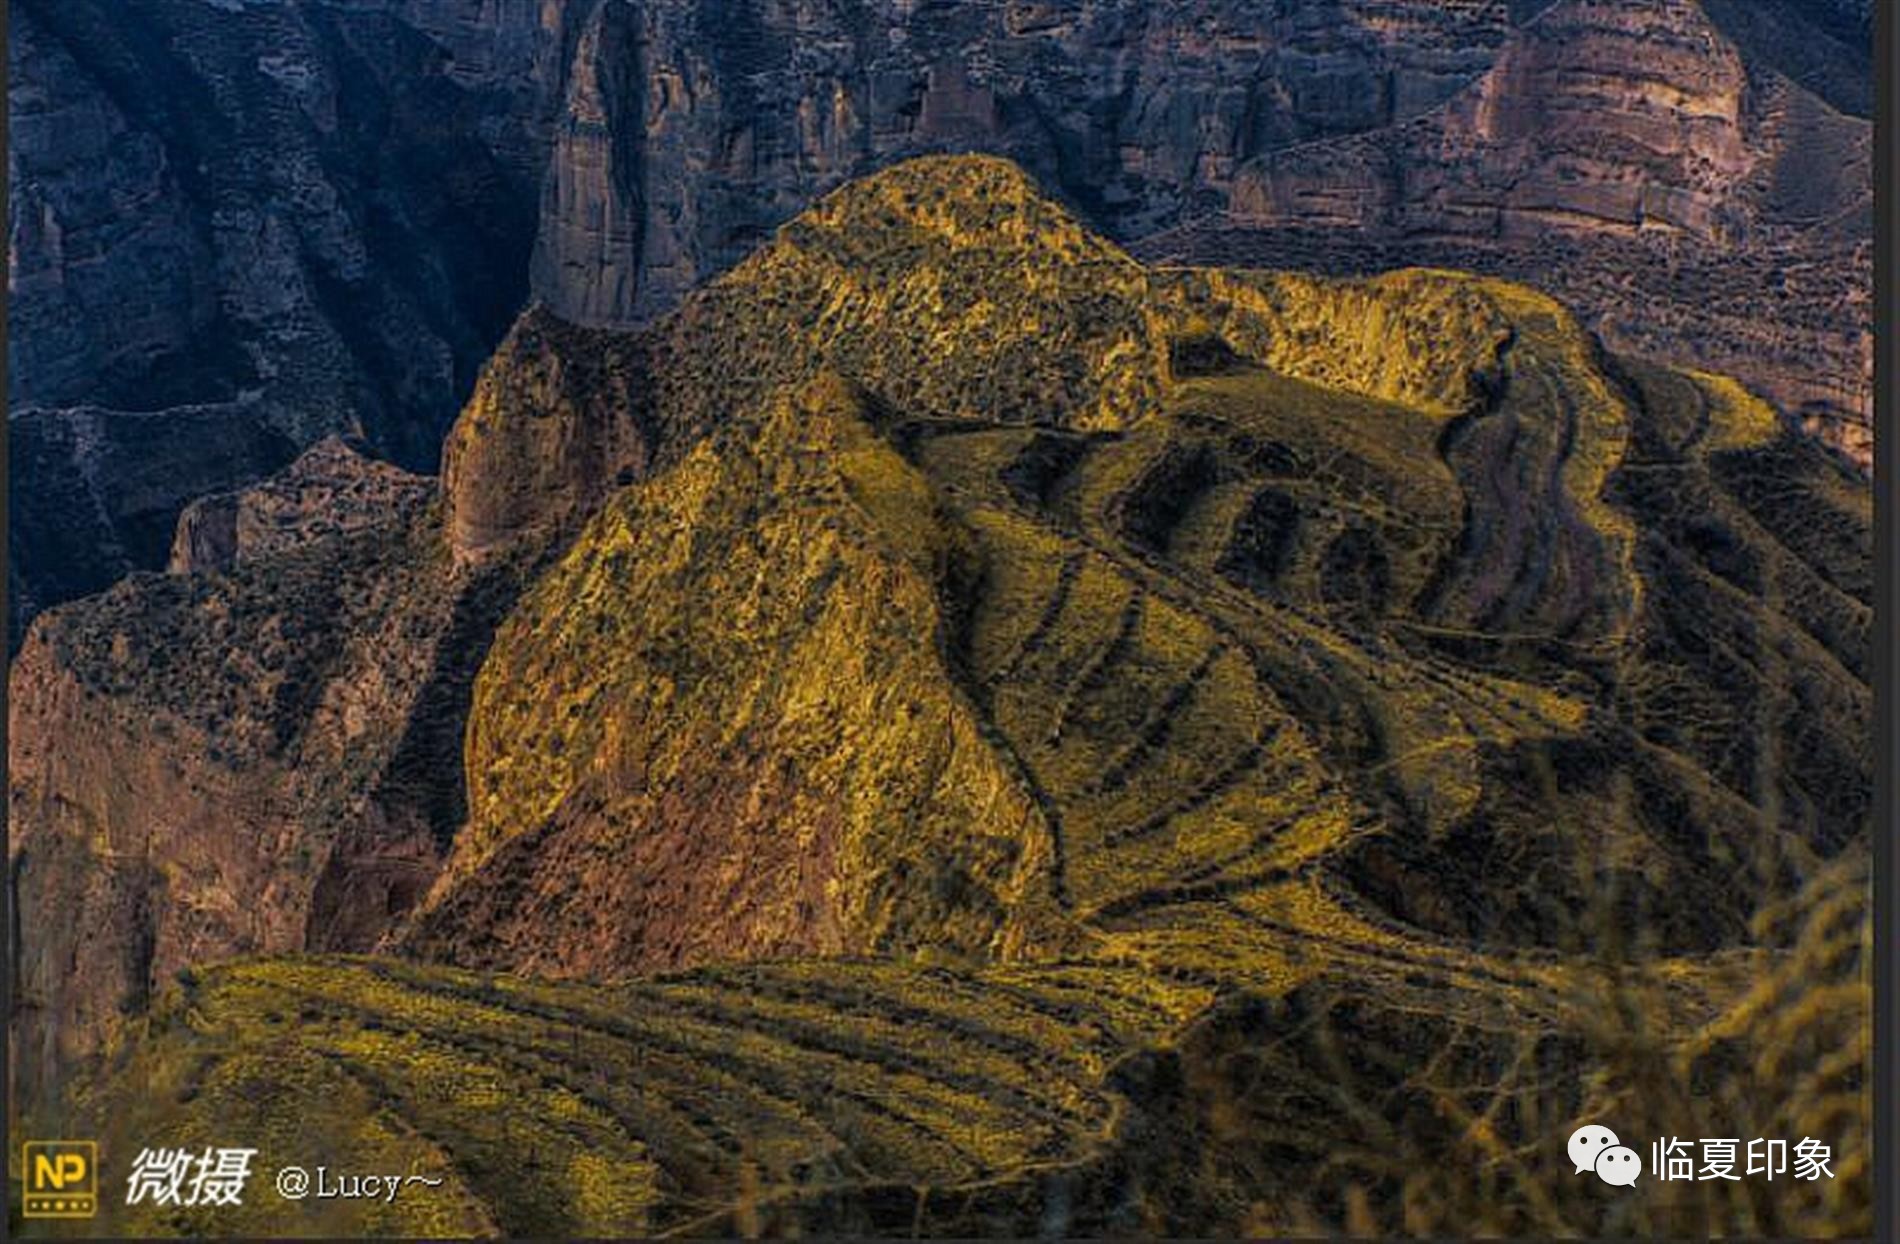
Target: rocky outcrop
<point x="214" y="764"/>
<point x="99" y="491"/>
<point x="943" y="585"/>
<point x="559" y="418"/>
<point x="1595" y="118"/>
<point x="998" y="654"/>
<point x="332" y="489"/>
<point x="589" y="253"/>
<point x="792" y="772"/>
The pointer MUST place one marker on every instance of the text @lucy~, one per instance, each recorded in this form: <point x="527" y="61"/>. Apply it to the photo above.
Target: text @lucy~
<point x="324" y="1183"/>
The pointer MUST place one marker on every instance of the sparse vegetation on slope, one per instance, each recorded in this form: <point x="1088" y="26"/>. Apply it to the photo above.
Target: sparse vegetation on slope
<point x="1264" y="677"/>
<point x="726" y="707"/>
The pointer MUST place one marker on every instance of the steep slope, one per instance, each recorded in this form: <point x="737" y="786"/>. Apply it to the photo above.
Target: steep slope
<point x="1025" y="657"/>
<point x="215" y="764"/>
<point x="1332" y="634"/>
<point x="725" y="707"/>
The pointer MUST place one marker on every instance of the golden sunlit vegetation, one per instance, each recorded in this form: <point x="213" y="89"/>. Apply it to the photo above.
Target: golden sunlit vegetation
<point x="728" y="691"/>
<point x="1118" y="750"/>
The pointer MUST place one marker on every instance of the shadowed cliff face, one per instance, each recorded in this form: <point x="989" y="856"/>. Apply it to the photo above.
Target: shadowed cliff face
<point x="319" y="204"/>
<point x="327" y="215"/>
<point x="693" y="129"/>
<point x="308" y="219"/>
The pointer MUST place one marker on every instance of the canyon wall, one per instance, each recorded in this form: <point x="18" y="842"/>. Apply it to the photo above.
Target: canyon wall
<point x="322" y="218"/>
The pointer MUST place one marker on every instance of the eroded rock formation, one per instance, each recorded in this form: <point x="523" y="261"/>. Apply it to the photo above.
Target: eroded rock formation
<point x="331" y="489"/>
<point x="990" y="726"/>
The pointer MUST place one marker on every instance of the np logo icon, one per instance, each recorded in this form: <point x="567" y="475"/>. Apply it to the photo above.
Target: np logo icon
<point x="60" y="1179"/>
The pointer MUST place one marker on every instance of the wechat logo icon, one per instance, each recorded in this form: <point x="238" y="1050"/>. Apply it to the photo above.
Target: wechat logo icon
<point x="1594" y="1147"/>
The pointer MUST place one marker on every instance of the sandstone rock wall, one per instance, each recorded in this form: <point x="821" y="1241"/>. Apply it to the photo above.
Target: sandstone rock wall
<point x="209" y="765"/>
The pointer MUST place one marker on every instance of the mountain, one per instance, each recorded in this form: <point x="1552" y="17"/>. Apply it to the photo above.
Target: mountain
<point x="882" y="745"/>
<point x="317" y="219"/>
<point x="236" y="229"/>
<point x="1692" y="202"/>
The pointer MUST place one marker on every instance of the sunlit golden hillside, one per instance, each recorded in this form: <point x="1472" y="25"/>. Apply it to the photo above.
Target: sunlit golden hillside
<point x="977" y="735"/>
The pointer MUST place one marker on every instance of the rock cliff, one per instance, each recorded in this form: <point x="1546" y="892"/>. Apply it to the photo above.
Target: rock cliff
<point x="260" y="757"/>
<point x="693" y="129"/>
<point x="331" y="213"/>
<point x="313" y="219"/>
<point x="316" y="202"/>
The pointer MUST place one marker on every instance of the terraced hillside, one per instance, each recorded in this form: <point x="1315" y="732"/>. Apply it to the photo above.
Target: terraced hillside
<point x="1012" y="740"/>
